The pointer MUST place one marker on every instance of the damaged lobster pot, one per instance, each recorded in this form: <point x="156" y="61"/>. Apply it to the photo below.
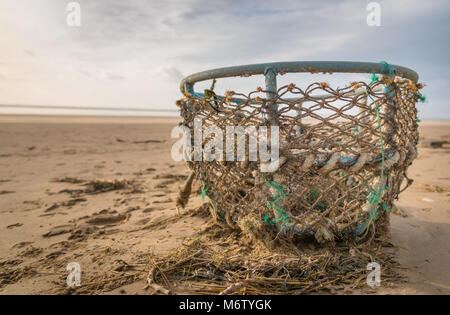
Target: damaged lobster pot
<point x="342" y="155"/>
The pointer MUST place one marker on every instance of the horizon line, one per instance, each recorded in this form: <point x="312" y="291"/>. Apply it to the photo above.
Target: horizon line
<point x="132" y="109"/>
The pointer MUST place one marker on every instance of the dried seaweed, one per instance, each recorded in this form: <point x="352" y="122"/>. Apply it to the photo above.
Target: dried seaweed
<point x="225" y="262"/>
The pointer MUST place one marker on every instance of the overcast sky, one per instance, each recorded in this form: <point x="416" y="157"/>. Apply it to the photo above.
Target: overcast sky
<point x="134" y="53"/>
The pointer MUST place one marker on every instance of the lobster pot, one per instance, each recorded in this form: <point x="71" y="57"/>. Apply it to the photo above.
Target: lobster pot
<point x="342" y="158"/>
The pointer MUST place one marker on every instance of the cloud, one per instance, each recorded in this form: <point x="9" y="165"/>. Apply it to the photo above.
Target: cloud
<point x="134" y="53"/>
<point x="169" y="73"/>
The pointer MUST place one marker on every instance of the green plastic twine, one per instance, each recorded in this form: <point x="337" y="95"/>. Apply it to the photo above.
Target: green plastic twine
<point x="203" y="191"/>
<point x="390" y="69"/>
<point x="274" y="205"/>
<point x="373" y="78"/>
<point x="422" y="98"/>
<point x="211" y="201"/>
<point x="374" y="199"/>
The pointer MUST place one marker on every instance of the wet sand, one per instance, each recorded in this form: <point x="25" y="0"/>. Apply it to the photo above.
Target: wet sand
<point x="90" y="190"/>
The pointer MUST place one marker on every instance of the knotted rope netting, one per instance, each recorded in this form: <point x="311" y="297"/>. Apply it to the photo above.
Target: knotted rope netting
<point x="343" y="152"/>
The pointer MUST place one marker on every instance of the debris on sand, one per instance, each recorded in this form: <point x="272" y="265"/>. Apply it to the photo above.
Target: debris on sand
<point x="72" y="192"/>
<point x="31" y="251"/>
<point x="149" y="141"/>
<point x="228" y="263"/>
<point x="58" y="230"/>
<point x="68" y="203"/>
<point x="434" y="144"/>
<point x="82" y="232"/>
<point x="107" y="219"/>
<point x="176" y="177"/>
<point x="10" y="273"/>
<point x="167" y="200"/>
<point x="434" y="188"/>
<point x="255" y="229"/>
<point x="71" y="180"/>
<point x="185" y="191"/>
<point x="4" y="192"/>
<point x="52" y="207"/>
<point x="98" y="186"/>
<point x="140" y="141"/>
<point x="219" y="261"/>
<point x="14" y="225"/>
<point x="151" y="283"/>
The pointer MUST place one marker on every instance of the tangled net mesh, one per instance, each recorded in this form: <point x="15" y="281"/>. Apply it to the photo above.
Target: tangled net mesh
<point x="343" y="156"/>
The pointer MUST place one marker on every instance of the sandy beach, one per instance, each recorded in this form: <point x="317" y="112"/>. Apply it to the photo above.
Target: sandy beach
<point x="90" y="190"/>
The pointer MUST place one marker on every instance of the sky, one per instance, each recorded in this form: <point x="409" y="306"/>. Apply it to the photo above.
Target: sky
<point x="134" y="53"/>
